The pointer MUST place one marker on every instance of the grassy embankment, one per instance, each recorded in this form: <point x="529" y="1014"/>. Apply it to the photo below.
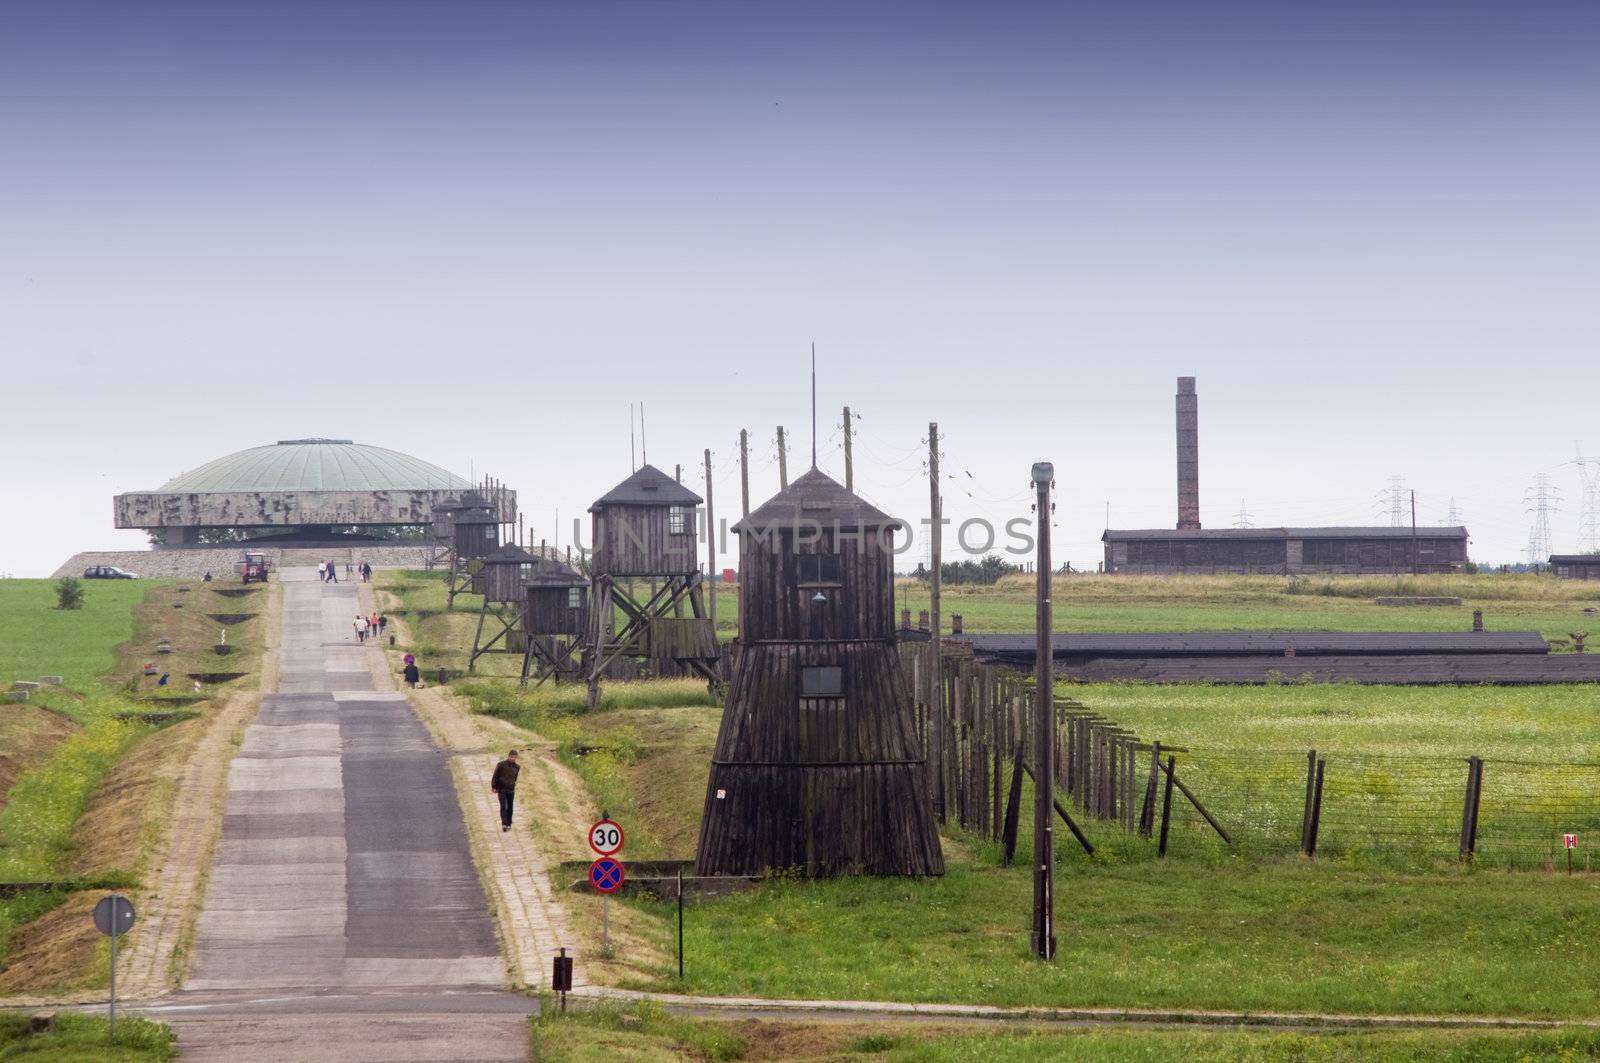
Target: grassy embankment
<point x="83" y="802"/>
<point x="646" y="1034"/>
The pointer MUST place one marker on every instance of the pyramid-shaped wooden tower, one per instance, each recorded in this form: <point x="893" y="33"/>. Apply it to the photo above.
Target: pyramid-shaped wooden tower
<point x="818" y="767"/>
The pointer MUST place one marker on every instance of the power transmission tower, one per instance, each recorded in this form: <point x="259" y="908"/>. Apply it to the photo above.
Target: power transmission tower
<point x="1396" y="493"/>
<point x="1454" y="519"/>
<point x="1241" y="519"/>
<point x="1589" y="511"/>
<point x="1543" y="498"/>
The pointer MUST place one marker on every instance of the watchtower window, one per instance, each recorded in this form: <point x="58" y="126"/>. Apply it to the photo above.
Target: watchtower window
<point x="826" y="681"/>
<point x="526" y="569"/>
<point x="819" y="570"/>
<point x="677" y="521"/>
<point x="574" y="597"/>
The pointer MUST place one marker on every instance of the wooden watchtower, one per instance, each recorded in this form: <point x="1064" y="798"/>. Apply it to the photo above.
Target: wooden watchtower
<point x="817" y="766"/>
<point x="555" y="618"/>
<point x="474" y="535"/>
<point x="644" y="530"/>
<point x="500" y="578"/>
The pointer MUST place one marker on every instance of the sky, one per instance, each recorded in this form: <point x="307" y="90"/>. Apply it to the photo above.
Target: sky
<point x="476" y="232"/>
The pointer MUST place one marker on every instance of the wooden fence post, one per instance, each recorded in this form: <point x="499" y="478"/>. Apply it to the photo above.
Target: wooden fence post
<point x="1147" y="814"/>
<point x="1316" y="812"/>
<point x="1469" y="811"/>
<point x="1166" y="808"/>
<point x="1305" y="817"/>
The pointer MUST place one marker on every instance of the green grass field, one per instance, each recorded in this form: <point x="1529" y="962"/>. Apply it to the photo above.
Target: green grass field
<point x="79" y="645"/>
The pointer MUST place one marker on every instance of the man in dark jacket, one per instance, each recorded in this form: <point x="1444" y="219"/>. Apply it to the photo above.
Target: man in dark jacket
<point x="504" y="785"/>
<point x="412" y="674"/>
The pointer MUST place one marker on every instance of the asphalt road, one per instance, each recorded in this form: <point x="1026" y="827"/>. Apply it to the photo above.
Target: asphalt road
<point x="343" y="918"/>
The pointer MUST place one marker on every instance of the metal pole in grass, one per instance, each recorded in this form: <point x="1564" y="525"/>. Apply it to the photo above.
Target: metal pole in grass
<point x="680" y="924"/>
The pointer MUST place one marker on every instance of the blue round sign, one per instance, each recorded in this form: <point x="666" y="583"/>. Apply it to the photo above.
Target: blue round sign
<point x="606" y="874"/>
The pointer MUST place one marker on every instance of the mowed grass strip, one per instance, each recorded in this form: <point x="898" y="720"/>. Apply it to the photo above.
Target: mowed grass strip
<point x="645" y="1032"/>
<point x="1175" y="934"/>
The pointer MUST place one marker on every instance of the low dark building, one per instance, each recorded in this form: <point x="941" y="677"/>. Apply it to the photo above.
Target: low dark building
<point x="1575" y="566"/>
<point x="1285" y="551"/>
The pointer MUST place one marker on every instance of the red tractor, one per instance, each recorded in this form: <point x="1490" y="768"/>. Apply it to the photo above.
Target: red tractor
<point x="254" y="567"/>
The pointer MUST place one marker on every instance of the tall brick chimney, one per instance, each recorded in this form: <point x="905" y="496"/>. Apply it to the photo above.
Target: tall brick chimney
<point x="1188" y="454"/>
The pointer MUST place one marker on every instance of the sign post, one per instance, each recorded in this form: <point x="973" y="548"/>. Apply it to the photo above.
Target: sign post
<point x="1569" y="842"/>
<point x="113" y="917"/>
<point x="606" y="874"/>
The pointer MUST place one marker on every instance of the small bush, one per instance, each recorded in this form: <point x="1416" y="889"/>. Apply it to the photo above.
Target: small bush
<point x="69" y="593"/>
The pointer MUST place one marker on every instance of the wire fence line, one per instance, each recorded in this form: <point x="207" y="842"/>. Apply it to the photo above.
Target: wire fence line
<point x="1398" y="807"/>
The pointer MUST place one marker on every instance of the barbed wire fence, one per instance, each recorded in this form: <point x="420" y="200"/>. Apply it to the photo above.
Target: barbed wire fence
<point x="1395" y="808"/>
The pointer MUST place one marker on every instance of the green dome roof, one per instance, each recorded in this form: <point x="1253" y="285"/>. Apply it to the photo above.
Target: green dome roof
<point x="315" y="465"/>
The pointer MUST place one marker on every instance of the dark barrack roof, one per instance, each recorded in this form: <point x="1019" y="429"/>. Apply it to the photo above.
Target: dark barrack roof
<point x="816" y="497"/>
<point x="648" y="487"/>
<point x="1195" y="534"/>
<point x="1269" y="643"/>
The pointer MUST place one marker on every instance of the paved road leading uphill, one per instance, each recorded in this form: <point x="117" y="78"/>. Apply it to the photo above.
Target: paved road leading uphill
<point x="343" y="905"/>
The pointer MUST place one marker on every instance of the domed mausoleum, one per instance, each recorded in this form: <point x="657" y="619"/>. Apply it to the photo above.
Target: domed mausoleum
<point x="313" y="488"/>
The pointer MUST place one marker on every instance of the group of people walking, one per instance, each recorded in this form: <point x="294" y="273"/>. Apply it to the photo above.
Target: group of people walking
<point x="328" y="571"/>
<point x="369" y="625"/>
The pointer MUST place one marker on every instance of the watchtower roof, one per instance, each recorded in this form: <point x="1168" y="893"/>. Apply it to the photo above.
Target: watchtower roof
<point x="548" y="572"/>
<point x="647" y="487"/>
<point x="509" y="554"/>
<point x="818" y="497"/>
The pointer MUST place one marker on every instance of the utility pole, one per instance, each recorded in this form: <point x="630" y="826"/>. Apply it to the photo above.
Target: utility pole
<point x="1044" y="758"/>
<point x="849" y="459"/>
<point x="711" y="544"/>
<point x="936" y="669"/>
<point x="783" y="461"/>
<point x="744" y="472"/>
<point x="1414" y="558"/>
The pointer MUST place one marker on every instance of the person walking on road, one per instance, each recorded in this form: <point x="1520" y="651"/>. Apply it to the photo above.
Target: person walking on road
<point x="322" y="571"/>
<point x="360" y="624"/>
<point x="412" y="673"/>
<point x="504" y="785"/>
<point x="333" y="572"/>
<point x="383" y="623"/>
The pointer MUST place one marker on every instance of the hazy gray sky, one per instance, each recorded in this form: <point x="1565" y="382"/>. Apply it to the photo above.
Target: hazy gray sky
<point x="476" y="232"/>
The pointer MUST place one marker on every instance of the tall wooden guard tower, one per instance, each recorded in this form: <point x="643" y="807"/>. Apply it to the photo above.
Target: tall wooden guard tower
<point x="817" y="766"/>
<point x="555" y="618"/>
<point x="502" y="577"/>
<point x="474" y="535"/>
<point x="644" y="530"/>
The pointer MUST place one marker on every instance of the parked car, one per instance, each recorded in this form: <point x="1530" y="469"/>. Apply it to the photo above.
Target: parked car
<point x="108" y="572"/>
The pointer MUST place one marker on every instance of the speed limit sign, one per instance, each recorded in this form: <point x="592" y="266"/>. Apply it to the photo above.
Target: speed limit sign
<point x="605" y="838"/>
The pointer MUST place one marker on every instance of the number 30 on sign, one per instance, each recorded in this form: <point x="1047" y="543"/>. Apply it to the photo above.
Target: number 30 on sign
<point x="1569" y="841"/>
<point x="605" y="838"/>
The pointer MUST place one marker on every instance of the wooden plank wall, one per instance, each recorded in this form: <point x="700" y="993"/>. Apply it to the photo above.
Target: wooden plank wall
<point x="988" y="713"/>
